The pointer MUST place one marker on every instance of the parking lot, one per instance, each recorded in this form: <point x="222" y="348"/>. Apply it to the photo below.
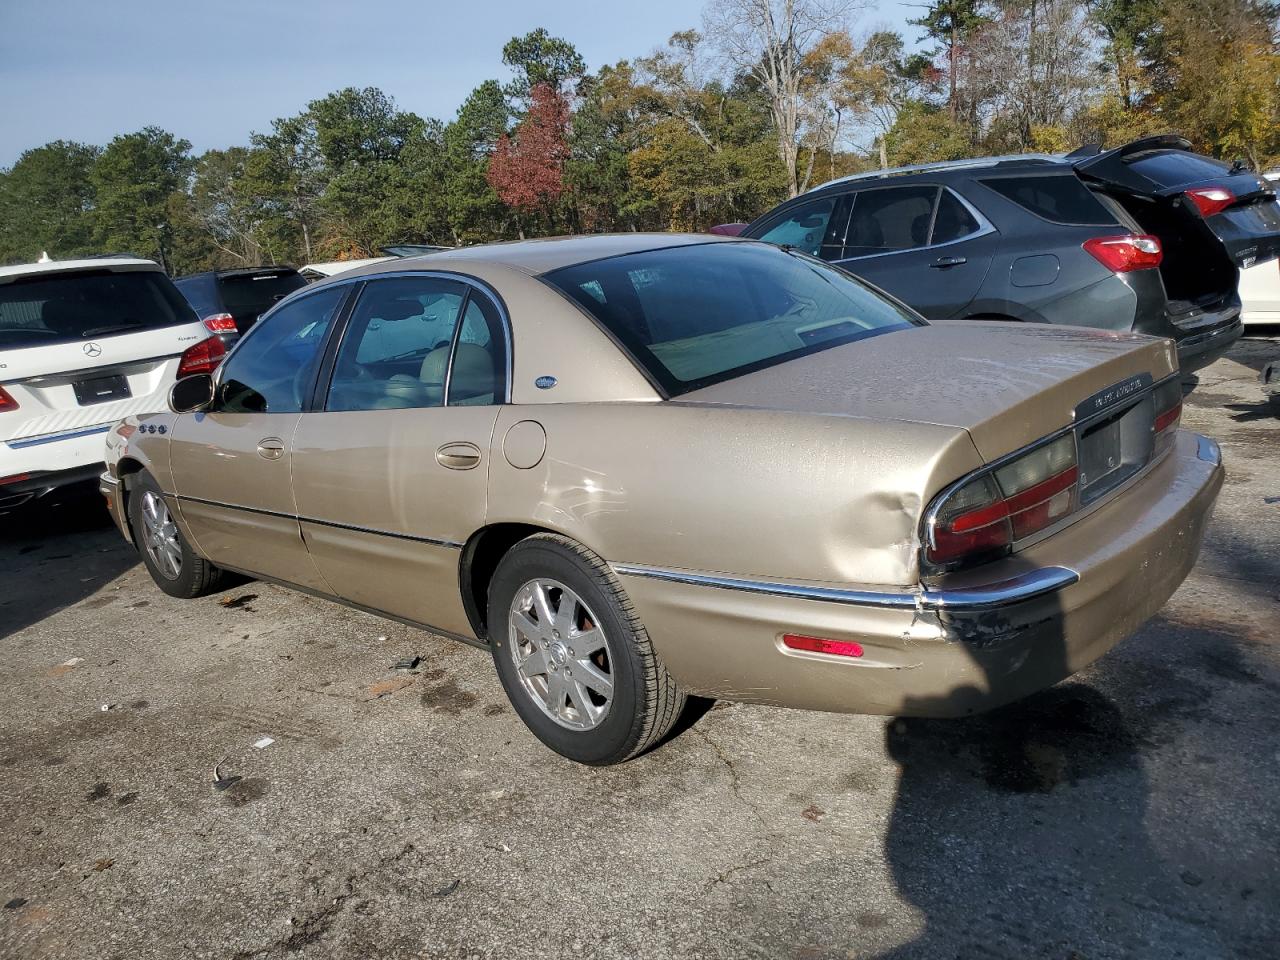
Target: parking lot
<point x="1132" y="811"/>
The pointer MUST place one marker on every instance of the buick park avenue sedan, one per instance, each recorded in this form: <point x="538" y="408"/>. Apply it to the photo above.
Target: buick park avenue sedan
<point x="642" y="467"/>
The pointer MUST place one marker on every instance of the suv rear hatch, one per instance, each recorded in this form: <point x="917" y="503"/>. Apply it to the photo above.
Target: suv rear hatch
<point x="87" y="347"/>
<point x="247" y="294"/>
<point x="1211" y="217"/>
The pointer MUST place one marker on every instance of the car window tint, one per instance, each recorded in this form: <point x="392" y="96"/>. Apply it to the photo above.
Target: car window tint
<point x="695" y="315"/>
<point x="201" y="292"/>
<point x="246" y="296"/>
<point x="395" y="351"/>
<point x="891" y="218"/>
<point x="1062" y="199"/>
<point x="271" y="370"/>
<point x="803" y="227"/>
<point x="66" y="306"/>
<point x="1173" y="168"/>
<point x="479" y="362"/>
<point x="953" y="220"/>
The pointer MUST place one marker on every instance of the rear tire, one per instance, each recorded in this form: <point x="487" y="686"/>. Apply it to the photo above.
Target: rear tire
<point x="168" y="557"/>
<point x="573" y="656"/>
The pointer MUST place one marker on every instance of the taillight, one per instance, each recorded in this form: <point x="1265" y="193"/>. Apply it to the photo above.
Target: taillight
<point x="204" y="357"/>
<point x="1211" y="200"/>
<point x="1167" y="402"/>
<point x="1122" y="254"/>
<point x="220" y="323"/>
<point x="14" y="478"/>
<point x="7" y="402"/>
<point x="987" y="514"/>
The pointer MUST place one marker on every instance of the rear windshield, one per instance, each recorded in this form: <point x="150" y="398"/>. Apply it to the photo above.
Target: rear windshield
<point x="63" y="307"/>
<point x="1062" y="199"/>
<point x="246" y="296"/>
<point x="696" y="315"/>
<point x="1173" y="168"/>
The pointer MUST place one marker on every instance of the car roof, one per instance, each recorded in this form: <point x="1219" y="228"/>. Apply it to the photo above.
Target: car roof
<point x="536" y="257"/>
<point x="66" y="266"/>
<point x="948" y="166"/>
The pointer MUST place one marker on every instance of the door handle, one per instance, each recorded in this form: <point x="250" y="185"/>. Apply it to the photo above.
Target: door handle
<point x="948" y="262"/>
<point x="458" y="456"/>
<point x="271" y="448"/>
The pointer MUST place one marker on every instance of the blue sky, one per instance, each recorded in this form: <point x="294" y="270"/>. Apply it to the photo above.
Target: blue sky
<point x="214" y="71"/>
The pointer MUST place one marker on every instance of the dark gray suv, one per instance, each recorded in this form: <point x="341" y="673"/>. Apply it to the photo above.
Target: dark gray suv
<point x="1147" y="237"/>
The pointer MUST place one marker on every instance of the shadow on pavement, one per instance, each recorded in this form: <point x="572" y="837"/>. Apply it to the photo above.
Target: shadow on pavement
<point x="55" y="554"/>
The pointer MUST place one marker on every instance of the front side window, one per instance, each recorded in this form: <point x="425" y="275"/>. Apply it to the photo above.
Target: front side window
<point x="272" y="368"/>
<point x="888" y="219"/>
<point x="803" y="227"/>
<point x="696" y="315"/>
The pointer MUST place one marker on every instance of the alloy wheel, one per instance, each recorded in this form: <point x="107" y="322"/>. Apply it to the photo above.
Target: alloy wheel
<point x="561" y="654"/>
<point x="160" y="536"/>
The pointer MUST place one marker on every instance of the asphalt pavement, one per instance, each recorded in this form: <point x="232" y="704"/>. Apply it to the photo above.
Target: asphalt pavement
<point x="245" y="776"/>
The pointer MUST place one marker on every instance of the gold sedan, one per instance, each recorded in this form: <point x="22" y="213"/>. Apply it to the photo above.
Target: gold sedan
<point x="638" y="468"/>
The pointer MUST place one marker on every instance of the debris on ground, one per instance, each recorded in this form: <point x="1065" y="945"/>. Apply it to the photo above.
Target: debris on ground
<point x="239" y="603"/>
<point x="107" y="706"/>
<point x="387" y="687"/>
<point x="103" y="863"/>
<point x="447" y="889"/>
<point x="813" y="813"/>
<point x="15" y="903"/>
<point x="219" y="781"/>
<point x="264" y="742"/>
<point x="408" y="663"/>
<point x="65" y="667"/>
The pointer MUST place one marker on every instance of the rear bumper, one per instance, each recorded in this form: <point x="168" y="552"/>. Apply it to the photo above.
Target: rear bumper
<point x="37" y="484"/>
<point x="1198" y="350"/>
<point x="969" y="645"/>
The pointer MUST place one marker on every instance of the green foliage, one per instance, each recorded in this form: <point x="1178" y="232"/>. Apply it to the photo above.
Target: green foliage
<point x="46" y="200"/>
<point x="132" y="181"/>
<point x="539" y="58"/>
<point x="472" y="209"/>
<point x="922" y="134"/>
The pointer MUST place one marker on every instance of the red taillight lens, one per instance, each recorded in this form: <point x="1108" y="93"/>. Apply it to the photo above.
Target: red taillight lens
<point x="204" y="357"/>
<point x="1211" y="200"/>
<point x="1167" y="401"/>
<point x="1125" y="253"/>
<point x="7" y="402"/>
<point x="220" y="323"/>
<point x="1023" y="497"/>
<point x="14" y="478"/>
<point x="838" y="648"/>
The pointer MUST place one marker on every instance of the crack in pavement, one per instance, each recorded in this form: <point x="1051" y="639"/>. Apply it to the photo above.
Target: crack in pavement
<point x="735" y="784"/>
<point x="314" y="925"/>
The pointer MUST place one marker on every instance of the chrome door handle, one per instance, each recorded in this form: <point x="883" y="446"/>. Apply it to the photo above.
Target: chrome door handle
<point x="948" y="262"/>
<point x="458" y="456"/>
<point x="271" y="448"/>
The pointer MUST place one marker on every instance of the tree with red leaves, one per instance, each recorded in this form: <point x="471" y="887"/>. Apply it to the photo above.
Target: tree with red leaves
<point x="527" y="167"/>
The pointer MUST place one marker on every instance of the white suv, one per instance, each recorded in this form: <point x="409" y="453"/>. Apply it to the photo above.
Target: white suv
<point x="83" y="344"/>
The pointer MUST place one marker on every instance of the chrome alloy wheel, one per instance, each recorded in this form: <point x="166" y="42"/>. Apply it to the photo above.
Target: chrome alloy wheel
<point x="160" y="536"/>
<point x="561" y="654"/>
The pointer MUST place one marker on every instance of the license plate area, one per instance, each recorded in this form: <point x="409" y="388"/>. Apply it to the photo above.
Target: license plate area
<point x="101" y="390"/>
<point x="1113" y="448"/>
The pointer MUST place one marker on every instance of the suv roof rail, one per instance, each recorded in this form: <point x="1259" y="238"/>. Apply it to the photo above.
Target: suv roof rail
<point x="1008" y="159"/>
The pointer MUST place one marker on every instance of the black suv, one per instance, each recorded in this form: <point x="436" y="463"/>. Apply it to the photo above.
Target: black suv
<point x="230" y="301"/>
<point x="1147" y="237"/>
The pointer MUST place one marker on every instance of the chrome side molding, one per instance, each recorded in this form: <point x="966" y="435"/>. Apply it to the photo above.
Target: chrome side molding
<point x="1025" y="586"/>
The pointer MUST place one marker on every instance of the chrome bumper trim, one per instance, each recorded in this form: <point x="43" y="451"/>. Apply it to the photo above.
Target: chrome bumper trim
<point x="23" y="442"/>
<point x="1208" y="450"/>
<point x="1025" y="586"/>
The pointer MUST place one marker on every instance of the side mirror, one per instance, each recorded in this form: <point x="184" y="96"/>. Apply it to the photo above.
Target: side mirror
<point x="191" y="393"/>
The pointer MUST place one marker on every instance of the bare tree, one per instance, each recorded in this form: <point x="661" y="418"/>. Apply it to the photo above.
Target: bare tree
<point x="770" y="40"/>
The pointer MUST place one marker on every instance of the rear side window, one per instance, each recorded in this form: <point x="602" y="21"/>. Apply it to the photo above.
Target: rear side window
<point x="1062" y="199"/>
<point x="202" y="293"/>
<point x="62" y="307"/>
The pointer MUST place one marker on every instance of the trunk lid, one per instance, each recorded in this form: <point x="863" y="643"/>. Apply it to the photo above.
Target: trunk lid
<point x="1164" y="169"/>
<point x="1007" y="384"/>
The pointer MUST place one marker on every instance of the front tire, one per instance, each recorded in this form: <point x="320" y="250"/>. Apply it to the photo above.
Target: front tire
<point x="573" y="657"/>
<point x="168" y="557"/>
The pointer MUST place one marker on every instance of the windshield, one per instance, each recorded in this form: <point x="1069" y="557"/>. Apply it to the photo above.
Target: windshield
<point x="247" y="296"/>
<point x="696" y="315"/>
<point x="62" y="307"/>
